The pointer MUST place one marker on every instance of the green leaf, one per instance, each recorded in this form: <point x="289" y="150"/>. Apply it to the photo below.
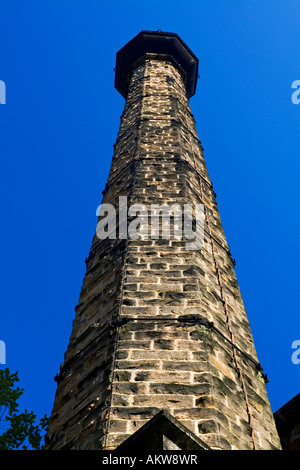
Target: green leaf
<point x="22" y="431"/>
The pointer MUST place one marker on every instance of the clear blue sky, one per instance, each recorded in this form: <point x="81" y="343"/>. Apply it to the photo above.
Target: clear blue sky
<point x="57" y="132"/>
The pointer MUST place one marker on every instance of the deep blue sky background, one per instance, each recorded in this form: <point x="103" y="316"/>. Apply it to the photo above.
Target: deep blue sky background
<point x="57" y="132"/>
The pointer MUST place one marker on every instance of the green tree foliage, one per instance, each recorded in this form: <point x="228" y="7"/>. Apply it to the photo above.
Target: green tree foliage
<point x="20" y="430"/>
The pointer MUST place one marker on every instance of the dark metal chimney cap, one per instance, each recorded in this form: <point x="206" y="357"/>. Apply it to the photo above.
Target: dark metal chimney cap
<point x="158" y="43"/>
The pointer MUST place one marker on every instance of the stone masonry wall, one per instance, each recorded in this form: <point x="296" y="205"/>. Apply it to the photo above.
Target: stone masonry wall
<point x="158" y="326"/>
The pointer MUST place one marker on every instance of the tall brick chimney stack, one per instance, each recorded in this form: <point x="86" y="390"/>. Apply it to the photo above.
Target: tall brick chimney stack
<point x="161" y="353"/>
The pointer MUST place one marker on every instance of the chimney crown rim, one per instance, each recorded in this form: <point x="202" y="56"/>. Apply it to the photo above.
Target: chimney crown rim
<point x="162" y="44"/>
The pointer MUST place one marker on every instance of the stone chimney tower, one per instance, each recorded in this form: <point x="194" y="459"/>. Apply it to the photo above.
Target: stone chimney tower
<point x="161" y="345"/>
